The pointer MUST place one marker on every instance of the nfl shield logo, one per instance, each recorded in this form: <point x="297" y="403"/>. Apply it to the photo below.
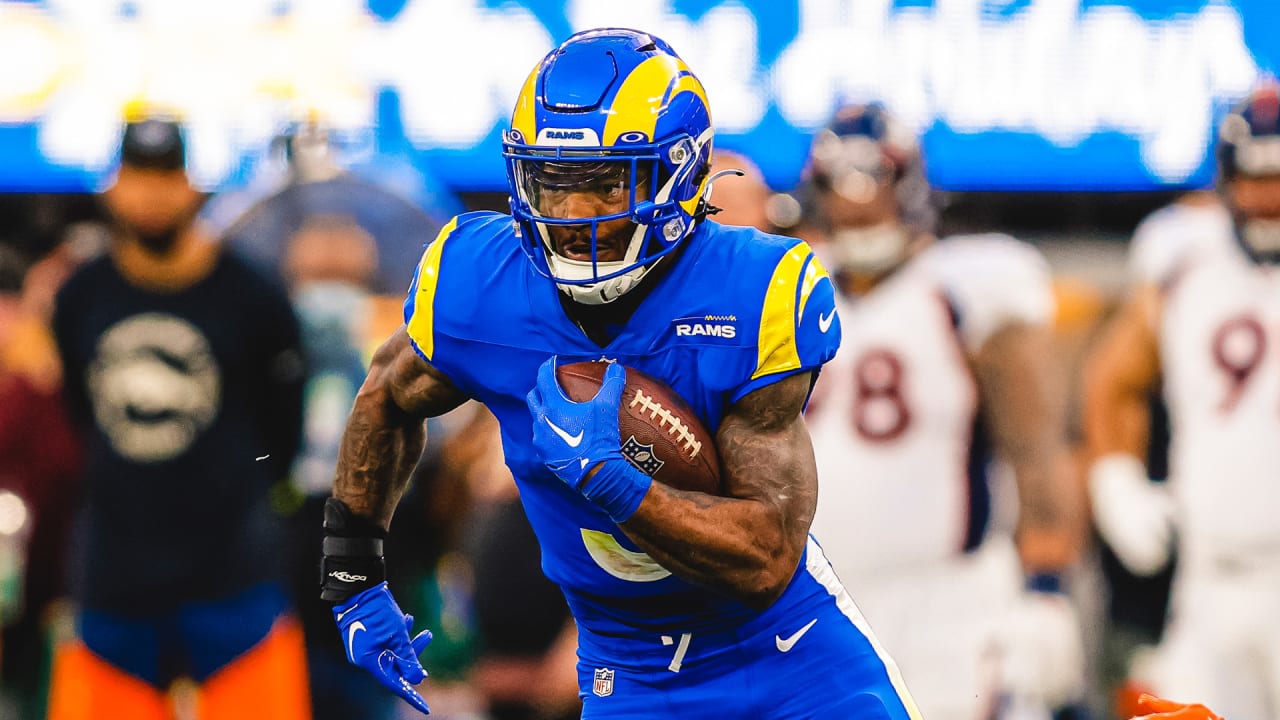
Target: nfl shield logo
<point x="641" y="456"/>
<point x="603" y="686"/>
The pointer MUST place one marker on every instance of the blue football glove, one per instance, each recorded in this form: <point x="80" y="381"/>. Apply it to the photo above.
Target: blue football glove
<point x="376" y="635"/>
<point x="572" y="438"/>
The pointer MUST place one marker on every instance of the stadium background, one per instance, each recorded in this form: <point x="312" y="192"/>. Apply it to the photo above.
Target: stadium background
<point x="1062" y="116"/>
<point x="1063" y="122"/>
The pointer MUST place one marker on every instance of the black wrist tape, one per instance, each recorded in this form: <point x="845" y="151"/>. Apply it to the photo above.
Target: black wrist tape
<point x="352" y="559"/>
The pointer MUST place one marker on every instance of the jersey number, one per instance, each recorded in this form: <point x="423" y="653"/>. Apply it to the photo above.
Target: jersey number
<point x="880" y="412"/>
<point x="1238" y="348"/>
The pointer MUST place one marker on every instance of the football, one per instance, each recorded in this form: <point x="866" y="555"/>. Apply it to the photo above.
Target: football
<point x="660" y="433"/>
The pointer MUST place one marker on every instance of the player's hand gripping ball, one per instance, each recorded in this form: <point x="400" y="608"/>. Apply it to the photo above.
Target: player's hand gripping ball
<point x="659" y="433"/>
<point x="609" y="433"/>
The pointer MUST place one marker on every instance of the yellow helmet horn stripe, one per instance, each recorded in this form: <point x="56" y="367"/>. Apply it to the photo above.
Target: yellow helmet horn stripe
<point x="525" y="119"/>
<point x="644" y="93"/>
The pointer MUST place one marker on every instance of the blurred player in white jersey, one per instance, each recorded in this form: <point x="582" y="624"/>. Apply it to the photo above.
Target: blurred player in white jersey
<point x="1208" y="334"/>
<point x="1193" y="227"/>
<point x="1135" y="559"/>
<point x="946" y="346"/>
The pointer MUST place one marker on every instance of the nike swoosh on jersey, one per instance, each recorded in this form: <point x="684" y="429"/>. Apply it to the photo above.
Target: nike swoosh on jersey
<point x="785" y="644"/>
<point x="356" y="627"/>
<point x="572" y="441"/>
<point x="824" y="323"/>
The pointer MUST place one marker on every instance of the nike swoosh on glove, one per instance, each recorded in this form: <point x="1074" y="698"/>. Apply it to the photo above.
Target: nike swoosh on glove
<point x="376" y="635"/>
<point x="571" y="438"/>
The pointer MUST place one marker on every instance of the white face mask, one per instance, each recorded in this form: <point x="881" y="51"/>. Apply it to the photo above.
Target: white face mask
<point x="869" y="250"/>
<point x="333" y="308"/>
<point x="1262" y="237"/>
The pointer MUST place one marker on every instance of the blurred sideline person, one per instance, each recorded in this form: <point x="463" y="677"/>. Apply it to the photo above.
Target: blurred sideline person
<point x="39" y="472"/>
<point x="328" y="265"/>
<point x="317" y="181"/>
<point x="688" y="604"/>
<point x="741" y="192"/>
<point x="1208" y="335"/>
<point x="1196" y="225"/>
<point x="183" y="371"/>
<point x="946" y="358"/>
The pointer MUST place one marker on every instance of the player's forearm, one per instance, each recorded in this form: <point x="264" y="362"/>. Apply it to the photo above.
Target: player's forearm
<point x="1116" y="420"/>
<point x="711" y="542"/>
<point x="1051" y="521"/>
<point x="747" y="547"/>
<point x="1119" y="376"/>
<point x="380" y="447"/>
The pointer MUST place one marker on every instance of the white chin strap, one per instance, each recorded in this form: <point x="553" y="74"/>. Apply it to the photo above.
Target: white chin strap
<point x="605" y="291"/>
<point x="596" y="293"/>
<point x="869" y="250"/>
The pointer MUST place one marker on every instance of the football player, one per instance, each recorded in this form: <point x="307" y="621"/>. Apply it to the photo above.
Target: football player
<point x="945" y="358"/>
<point x="1136" y="570"/>
<point x="688" y="604"/>
<point x="1206" y="337"/>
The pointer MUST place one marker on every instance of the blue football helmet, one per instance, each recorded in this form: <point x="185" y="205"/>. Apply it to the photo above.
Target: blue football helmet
<point x="1249" y="147"/>
<point x="862" y="152"/>
<point x="618" y="109"/>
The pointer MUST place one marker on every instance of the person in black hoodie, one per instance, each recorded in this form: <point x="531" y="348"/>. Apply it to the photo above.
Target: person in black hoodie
<point x="184" y="373"/>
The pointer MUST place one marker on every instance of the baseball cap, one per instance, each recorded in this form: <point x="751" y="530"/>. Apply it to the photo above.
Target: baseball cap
<point x="155" y="143"/>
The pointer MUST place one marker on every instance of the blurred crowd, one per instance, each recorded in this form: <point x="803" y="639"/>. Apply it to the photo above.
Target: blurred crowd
<point x="1043" y="405"/>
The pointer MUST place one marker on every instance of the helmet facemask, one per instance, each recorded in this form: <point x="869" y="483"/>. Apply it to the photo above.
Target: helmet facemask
<point x="603" y="219"/>
<point x="867" y="234"/>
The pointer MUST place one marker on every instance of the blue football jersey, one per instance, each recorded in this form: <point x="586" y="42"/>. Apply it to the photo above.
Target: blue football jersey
<point x="738" y="310"/>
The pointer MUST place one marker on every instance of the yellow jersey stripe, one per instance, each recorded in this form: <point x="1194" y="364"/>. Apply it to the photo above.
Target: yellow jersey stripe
<point x="813" y="273"/>
<point x="422" y="323"/>
<point x="777" y="350"/>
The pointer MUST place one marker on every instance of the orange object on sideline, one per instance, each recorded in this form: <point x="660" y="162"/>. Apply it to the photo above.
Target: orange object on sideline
<point x="85" y="686"/>
<point x="1160" y="709"/>
<point x="267" y="681"/>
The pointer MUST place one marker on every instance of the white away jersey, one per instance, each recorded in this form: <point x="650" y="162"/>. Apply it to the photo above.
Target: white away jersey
<point x="1171" y="237"/>
<point x="902" y="476"/>
<point x="1220" y="350"/>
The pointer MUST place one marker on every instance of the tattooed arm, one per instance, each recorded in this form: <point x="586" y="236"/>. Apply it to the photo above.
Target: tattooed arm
<point x="385" y="434"/>
<point x="748" y="543"/>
